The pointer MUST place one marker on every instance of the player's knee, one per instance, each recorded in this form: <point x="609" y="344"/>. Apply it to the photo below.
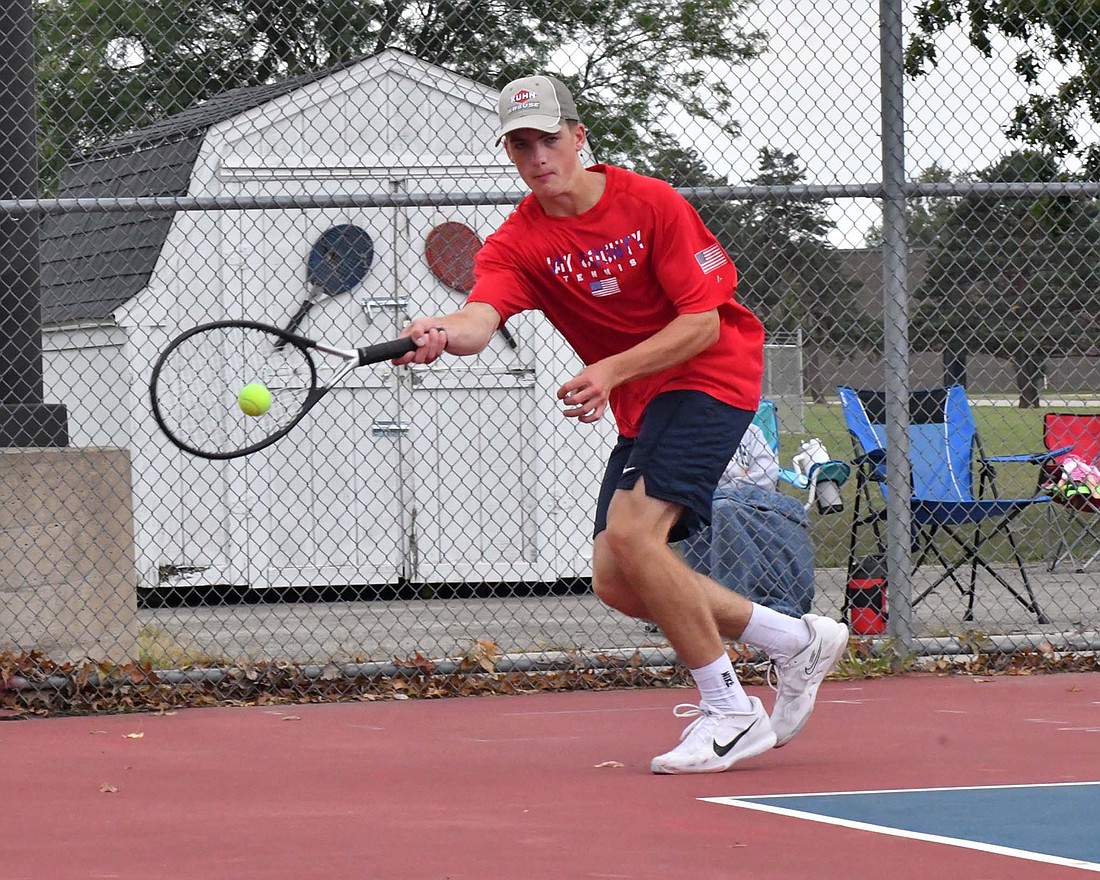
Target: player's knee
<point x="628" y="542"/>
<point x="608" y="583"/>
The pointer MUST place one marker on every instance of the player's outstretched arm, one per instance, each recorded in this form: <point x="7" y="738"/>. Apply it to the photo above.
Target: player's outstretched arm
<point x="464" y="332"/>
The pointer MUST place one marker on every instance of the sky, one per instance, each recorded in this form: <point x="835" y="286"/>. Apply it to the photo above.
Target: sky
<point x="815" y="92"/>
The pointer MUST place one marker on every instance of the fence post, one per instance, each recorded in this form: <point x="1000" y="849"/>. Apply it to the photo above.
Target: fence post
<point x="24" y="419"/>
<point x="896" y="325"/>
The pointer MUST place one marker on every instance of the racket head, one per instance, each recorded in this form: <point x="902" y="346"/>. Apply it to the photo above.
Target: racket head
<point x="339" y="260"/>
<point x="196" y="379"/>
<point x="450" y="249"/>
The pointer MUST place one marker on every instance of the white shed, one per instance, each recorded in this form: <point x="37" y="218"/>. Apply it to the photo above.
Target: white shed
<point x="461" y="472"/>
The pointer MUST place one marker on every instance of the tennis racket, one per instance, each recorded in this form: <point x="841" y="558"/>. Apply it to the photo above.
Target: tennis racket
<point x="197" y="378"/>
<point x="450" y="249"/>
<point x="338" y="261"/>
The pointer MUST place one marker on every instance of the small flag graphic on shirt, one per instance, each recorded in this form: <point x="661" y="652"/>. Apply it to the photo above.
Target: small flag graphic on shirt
<point x="604" y="288"/>
<point x="711" y="258"/>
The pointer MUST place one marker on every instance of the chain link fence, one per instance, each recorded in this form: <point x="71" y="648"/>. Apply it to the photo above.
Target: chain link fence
<point x="898" y="219"/>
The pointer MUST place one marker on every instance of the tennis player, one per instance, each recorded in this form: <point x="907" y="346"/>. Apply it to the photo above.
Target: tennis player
<point x="626" y="270"/>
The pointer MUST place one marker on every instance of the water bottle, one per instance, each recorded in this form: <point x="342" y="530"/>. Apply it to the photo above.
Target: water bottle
<point x="827" y="492"/>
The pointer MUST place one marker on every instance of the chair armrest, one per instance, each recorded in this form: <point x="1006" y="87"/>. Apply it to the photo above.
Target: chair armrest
<point x="794" y="478"/>
<point x="874" y="457"/>
<point x="833" y="469"/>
<point x="1028" y="457"/>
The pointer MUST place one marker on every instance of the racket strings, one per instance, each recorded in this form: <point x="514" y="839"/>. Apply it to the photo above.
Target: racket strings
<point x="199" y="380"/>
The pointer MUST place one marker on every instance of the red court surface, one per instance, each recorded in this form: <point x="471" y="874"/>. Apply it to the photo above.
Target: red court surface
<point x="524" y="787"/>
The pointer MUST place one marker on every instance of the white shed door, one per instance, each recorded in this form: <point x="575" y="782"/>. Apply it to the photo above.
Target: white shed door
<point x="333" y="509"/>
<point x="329" y="499"/>
<point x="474" y="462"/>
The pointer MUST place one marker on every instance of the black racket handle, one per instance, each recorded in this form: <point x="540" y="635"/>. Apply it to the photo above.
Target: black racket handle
<point x="385" y="351"/>
<point x="296" y="321"/>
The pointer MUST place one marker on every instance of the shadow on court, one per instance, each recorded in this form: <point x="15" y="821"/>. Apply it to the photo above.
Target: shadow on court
<point x="556" y="786"/>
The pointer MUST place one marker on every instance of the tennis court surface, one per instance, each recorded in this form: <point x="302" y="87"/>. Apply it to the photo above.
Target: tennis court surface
<point x="907" y="776"/>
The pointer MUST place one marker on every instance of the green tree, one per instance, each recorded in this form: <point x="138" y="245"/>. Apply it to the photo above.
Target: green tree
<point x="1015" y="278"/>
<point x="109" y="66"/>
<point x="1063" y="32"/>
<point x="791" y="275"/>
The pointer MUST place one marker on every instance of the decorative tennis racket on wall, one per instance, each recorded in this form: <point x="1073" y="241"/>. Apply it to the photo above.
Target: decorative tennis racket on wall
<point x="450" y="249"/>
<point x="337" y="263"/>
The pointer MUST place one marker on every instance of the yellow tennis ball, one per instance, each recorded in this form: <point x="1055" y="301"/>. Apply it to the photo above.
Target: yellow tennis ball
<point x="254" y="399"/>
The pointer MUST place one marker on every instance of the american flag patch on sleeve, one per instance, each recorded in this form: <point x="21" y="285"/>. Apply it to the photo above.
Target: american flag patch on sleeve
<point x="711" y="258"/>
<point x="604" y="288"/>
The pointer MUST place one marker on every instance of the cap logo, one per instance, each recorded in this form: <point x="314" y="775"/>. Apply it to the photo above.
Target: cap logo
<point x="524" y="99"/>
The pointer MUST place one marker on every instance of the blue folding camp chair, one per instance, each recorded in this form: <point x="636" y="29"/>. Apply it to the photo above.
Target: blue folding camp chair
<point x="944" y="449"/>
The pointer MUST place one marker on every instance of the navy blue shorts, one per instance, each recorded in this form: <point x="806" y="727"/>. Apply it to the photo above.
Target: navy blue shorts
<point x="685" y="441"/>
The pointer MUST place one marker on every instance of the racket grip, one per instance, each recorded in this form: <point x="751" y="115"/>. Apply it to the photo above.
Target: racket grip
<point x="385" y="351"/>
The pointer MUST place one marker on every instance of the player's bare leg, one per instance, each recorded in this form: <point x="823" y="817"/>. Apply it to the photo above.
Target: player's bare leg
<point x="636" y="571"/>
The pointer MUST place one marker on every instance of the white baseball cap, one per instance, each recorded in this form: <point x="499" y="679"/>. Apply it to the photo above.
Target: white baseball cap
<point x="539" y="102"/>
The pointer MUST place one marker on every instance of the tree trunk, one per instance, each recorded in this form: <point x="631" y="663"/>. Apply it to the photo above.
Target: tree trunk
<point x="954" y="365"/>
<point x="1029" y="378"/>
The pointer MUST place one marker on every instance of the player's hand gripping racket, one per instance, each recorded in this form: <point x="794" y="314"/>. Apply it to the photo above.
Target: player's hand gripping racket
<point x="198" y="377"/>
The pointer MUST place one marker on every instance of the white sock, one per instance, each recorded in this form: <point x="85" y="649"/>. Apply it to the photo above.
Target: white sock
<point x="719" y="687"/>
<point x="778" y="635"/>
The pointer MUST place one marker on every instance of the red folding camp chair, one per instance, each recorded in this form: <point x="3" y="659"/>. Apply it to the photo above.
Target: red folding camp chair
<point x="1074" y="436"/>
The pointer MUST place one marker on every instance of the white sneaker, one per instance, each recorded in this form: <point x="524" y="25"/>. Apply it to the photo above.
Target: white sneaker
<point x="801" y="676"/>
<point x="715" y="740"/>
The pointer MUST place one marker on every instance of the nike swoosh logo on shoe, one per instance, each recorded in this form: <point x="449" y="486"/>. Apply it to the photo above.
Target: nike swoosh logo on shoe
<point x="812" y="664"/>
<point x="722" y="751"/>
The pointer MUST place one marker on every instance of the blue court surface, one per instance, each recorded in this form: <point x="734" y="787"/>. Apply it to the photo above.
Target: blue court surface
<point x="1053" y="823"/>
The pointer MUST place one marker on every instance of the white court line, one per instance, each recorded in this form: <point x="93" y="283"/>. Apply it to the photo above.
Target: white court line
<point x="910" y="835"/>
<point x="801" y="794"/>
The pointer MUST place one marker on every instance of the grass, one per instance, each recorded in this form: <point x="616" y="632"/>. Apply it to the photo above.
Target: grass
<point x="1004" y="430"/>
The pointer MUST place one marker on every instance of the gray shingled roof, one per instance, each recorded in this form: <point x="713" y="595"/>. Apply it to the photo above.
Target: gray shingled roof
<point x="94" y="262"/>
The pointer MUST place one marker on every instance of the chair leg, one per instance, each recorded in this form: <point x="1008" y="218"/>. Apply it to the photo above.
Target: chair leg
<point x="928" y="546"/>
<point x="1033" y="607"/>
<point x="973" y="576"/>
<point x="972" y="554"/>
<point x="1059" y="555"/>
<point x="1069" y="547"/>
<point x="1081" y="569"/>
<point x="872" y="518"/>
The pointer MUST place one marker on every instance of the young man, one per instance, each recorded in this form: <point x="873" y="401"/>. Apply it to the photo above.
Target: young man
<point x="625" y="269"/>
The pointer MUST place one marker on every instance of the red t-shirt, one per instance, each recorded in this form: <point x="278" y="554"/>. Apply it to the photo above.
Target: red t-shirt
<point x="617" y="274"/>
